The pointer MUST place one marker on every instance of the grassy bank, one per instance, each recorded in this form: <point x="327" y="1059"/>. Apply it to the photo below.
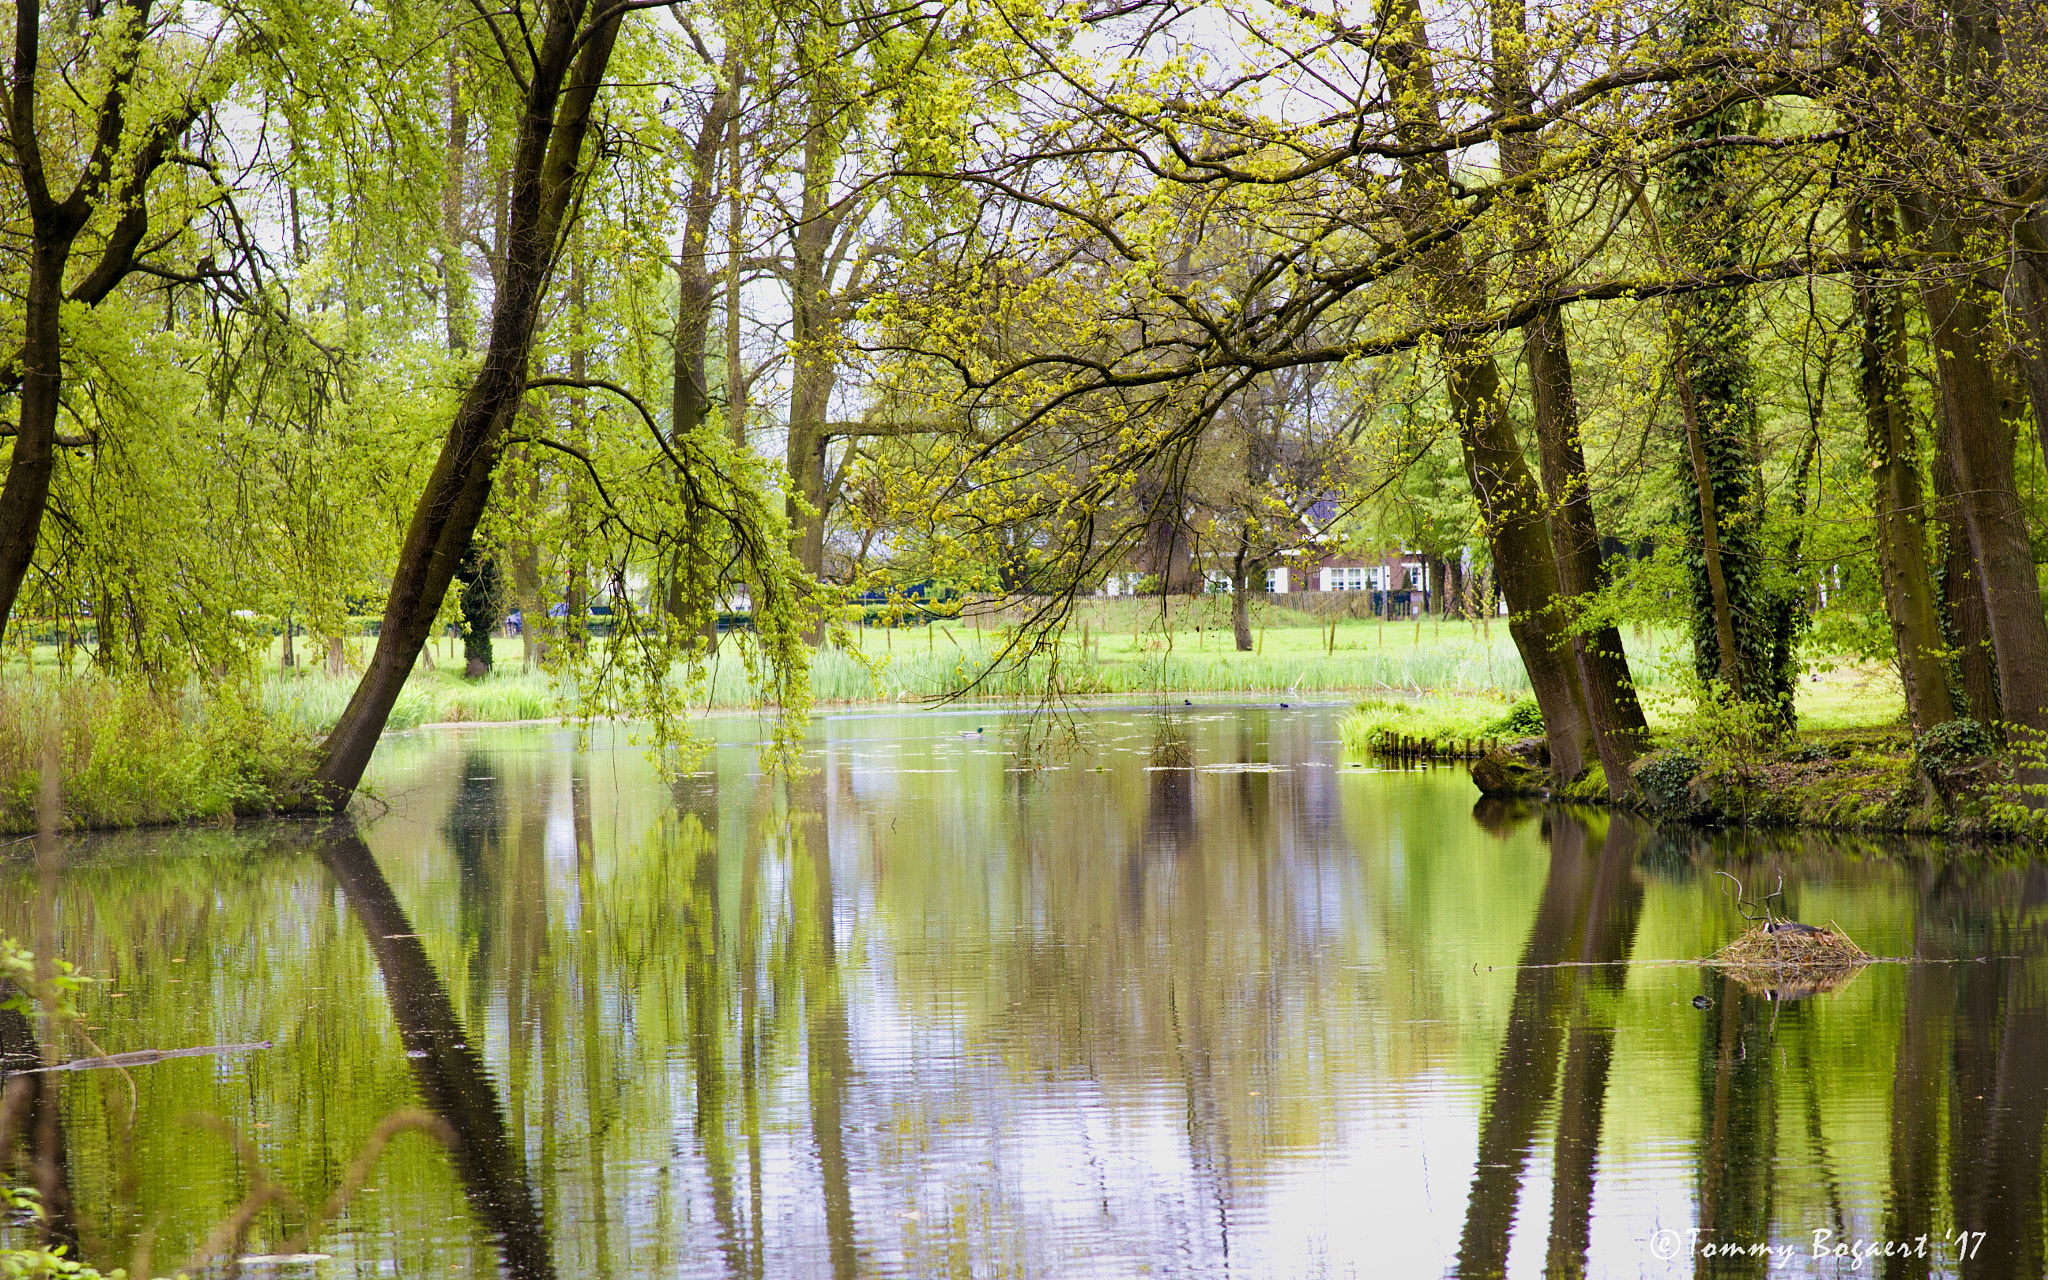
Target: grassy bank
<point x="1852" y="765"/>
<point x="131" y="757"/>
<point x="1845" y="699"/>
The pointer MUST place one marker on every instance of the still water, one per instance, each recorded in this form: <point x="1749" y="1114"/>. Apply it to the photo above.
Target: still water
<point x="1185" y="994"/>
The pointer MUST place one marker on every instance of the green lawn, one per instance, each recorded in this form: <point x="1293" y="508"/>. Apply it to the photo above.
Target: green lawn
<point x="1469" y="670"/>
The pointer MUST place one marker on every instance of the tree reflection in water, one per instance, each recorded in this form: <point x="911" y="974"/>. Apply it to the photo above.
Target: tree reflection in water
<point x="1585" y="924"/>
<point x="921" y="1010"/>
<point x="450" y="1072"/>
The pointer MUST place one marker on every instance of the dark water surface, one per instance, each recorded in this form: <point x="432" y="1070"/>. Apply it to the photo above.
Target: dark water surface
<point x="1197" y="999"/>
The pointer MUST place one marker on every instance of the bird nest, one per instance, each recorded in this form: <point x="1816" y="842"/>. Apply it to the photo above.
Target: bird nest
<point x="1788" y="961"/>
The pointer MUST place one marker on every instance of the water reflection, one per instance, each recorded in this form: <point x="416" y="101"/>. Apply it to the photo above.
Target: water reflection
<point x="1199" y="999"/>
<point x="33" y="1152"/>
<point x="1585" y="926"/>
<point x="451" y="1075"/>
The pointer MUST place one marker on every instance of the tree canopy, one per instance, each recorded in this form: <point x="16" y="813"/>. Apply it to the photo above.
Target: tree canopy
<point x="360" y="315"/>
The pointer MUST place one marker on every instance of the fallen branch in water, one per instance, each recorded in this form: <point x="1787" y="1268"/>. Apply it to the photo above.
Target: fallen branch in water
<point x="144" y="1057"/>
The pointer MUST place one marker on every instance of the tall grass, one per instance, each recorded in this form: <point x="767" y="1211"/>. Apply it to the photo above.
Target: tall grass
<point x="922" y="663"/>
<point x="130" y="755"/>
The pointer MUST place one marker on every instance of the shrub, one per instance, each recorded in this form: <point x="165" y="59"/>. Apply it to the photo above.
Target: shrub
<point x="1665" y="779"/>
<point x="1523" y="720"/>
<point x="1947" y="747"/>
<point x="131" y="755"/>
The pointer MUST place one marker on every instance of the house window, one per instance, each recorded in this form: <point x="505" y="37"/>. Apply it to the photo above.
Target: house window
<point x="1344" y="579"/>
<point x="1276" y="581"/>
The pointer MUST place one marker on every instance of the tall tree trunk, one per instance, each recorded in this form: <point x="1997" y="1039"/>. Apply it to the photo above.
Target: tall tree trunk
<point x="1897" y="504"/>
<point x="735" y="254"/>
<point x="562" y="86"/>
<point x="33" y="463"/>
<point x="2027" y="295"/>
<point x="1966" y="627"/>
<point x="1978" y="442"/>
<point x="1519" y="538"/>
<point x="1619" y="728"/>
<point x="1726" y="654"/>
<point x="576" y="590"/>
<point x="1706" y="215"/>
<point x="814" y="363"/>
<point x="690" y="400"/>
<point x="1510" y="503"/>
<point x="690" y="388"/>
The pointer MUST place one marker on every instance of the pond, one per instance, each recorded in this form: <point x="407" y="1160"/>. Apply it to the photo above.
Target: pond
<point x="1180" y="992"/>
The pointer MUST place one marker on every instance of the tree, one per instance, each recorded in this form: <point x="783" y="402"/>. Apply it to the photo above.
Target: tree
<point x="155" y="79"/>
<point x="561" y="79"/>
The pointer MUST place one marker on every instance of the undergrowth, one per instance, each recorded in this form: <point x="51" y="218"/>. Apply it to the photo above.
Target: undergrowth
<point x="130" y="755"/>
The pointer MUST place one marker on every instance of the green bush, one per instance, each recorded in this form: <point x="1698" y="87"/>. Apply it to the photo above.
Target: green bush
<point x="1666" y="778"/>
<point x="1523" y="720"/>
<point x="1947" y="747"/>
<point x="131" y="755"/>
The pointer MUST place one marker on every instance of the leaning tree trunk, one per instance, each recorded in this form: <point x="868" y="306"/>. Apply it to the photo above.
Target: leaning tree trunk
<point x="1897" y="504"/>
<point x="562" y="86"/>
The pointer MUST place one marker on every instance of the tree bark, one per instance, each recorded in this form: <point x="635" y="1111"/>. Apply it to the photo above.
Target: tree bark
<point x="814" y="364"/>
<point x="562" y="86"/>
<point x="1519" y="538"/>
<point x="1619" y="728"/>
<point x="690" y="400"/>
<point x="1897" y="505"/>
<point x="1729" y="668"/>
<point x="1978" y="443"/>
<point x="576" y="590"/>
<point x="1242" y="567"/>
<point x="2027" y="295"/>
<point x="26" y="493"/>
<point x="1966" y="627"/>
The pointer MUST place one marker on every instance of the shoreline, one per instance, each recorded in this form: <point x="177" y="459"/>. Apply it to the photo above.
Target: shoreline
<point x="1870" y="782"/>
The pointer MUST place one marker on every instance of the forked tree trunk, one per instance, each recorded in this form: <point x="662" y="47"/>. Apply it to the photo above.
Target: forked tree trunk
<point x="1519" y="537"/>
<point x="1898" y="507"/>
<point x="1978" y="442"/>
<point x="1619" y="729"/>
<point x="562" y="86"/>
<point x="1510" y="503"/>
